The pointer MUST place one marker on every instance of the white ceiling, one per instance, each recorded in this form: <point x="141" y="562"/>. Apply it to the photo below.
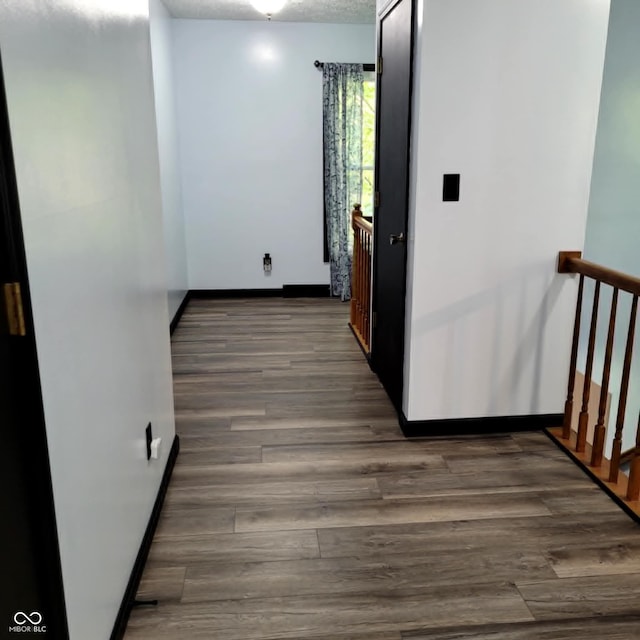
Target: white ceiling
<point x="335" y="11"/>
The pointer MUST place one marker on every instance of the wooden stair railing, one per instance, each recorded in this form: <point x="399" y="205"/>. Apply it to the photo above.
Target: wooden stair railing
<point x="592" y="456"/>
<point x="361" y="278"/>
<point x="629" y="455"/>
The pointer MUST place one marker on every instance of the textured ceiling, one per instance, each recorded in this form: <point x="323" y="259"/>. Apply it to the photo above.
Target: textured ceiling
<point x="336" y="11"/>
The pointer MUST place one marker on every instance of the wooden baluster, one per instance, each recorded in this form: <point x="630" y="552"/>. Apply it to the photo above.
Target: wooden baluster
<point x="354" y="274"/>
<point x="599" y="431"/>
<point x="370" y="289"/>
<point x="361" y="259"/>
<point x="364" y="286"/>
<point x="616" y="450"/>
<point x="581" y="440"/>
<point x="358" y="279"/>
<point x="367" y="297"/>
<point x="361" y="276"/>
<point x="363" y="264"/>
<point x="568" y="405"/>
<point x="633" y="489"/>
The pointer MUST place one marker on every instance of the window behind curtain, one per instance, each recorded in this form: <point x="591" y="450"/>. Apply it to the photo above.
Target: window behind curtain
<point x="368" y="151"/>
<point x="368" y="142"/>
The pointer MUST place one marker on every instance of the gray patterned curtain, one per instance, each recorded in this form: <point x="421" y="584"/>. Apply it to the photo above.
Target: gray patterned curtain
<point x="342" y="86"/>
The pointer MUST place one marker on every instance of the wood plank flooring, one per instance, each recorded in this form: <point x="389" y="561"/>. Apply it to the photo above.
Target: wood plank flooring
<point x="297" y="510"/>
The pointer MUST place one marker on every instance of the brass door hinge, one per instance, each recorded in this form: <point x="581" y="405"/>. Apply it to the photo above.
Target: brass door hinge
<point x="15" y="312"/>
<point x="376" y="199"/>
<point x="379" y="65"/>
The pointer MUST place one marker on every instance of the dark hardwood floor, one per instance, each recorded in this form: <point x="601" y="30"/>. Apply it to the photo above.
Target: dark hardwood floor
<point x="297" y="509"/>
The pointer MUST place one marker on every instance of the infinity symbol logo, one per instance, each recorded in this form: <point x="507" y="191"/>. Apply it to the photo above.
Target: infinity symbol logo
<point x="22" y="618"/>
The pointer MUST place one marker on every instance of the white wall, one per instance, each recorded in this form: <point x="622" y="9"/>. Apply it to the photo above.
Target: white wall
<point x="250" y="122"/>
<point x="80" y="96"/>
<point x="507" y="95"/>
<point x="613" y="224"/>
<point x="164" y="91"/>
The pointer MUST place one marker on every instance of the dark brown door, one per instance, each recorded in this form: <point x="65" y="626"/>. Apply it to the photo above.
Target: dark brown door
<point x="31" y="593"/>
<point x="392" y="180"/>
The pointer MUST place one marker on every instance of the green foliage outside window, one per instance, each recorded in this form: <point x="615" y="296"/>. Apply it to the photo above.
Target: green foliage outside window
<point x="366" y="170"/>
<point x="368" y="145"/>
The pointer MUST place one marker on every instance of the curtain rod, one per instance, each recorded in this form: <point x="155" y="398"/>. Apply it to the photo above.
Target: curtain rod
<point x="366" y="66"/>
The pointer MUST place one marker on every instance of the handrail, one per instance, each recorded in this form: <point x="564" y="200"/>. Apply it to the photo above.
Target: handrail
<point x="571" y="262"/>
<point x="593" y="455"/>
<point x="629" y="455"/>
<point x="361" y="278"/>
<point x="358" y="222"/>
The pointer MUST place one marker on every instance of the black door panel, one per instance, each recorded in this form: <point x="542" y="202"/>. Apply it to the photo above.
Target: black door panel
<point x="392" y="180"/>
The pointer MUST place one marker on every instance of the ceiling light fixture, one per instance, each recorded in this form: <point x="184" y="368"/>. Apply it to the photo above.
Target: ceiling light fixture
<point x="268" y="7"/>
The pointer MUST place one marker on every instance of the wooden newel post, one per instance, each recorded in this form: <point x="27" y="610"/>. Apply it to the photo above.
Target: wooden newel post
<point x="355" y="213"/>
<point x="355" y="266"/>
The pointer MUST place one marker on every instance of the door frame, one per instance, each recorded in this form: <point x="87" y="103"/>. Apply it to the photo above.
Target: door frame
<point x="29" y="438"/>
<point x="407" y="186"/>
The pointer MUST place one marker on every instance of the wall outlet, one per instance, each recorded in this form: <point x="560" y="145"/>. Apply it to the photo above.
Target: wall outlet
<point x="266" y="263"/>
<point x="149" y="436"/>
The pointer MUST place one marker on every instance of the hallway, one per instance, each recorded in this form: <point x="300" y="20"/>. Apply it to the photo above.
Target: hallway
<point x="298" y="510"/>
